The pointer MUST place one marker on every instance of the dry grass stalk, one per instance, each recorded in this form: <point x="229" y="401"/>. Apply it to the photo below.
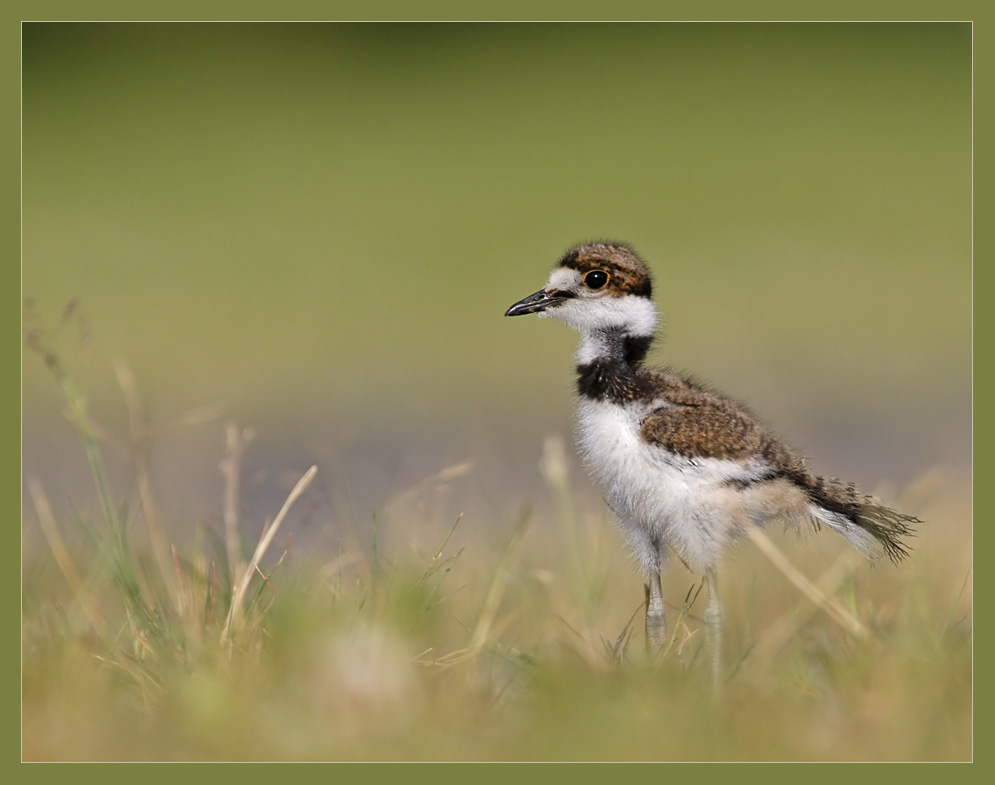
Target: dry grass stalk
<point x="833" y="608"/>
<point x="236" y="442"/>
<point x="780" y="634"/>
<point x="139" y="432"/>
<point x="58" y="547"/>
<point x="238" y="598"/>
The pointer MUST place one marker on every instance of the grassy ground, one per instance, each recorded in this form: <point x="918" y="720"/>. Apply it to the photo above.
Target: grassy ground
<point x="473" y="648"/>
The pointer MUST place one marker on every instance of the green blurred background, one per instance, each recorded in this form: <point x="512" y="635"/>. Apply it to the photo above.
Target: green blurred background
<point x="316" y="229"/>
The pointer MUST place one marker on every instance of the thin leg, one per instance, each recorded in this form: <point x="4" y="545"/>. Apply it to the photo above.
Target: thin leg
<point x="713" y="629"/>
<point x="656" y="616"/>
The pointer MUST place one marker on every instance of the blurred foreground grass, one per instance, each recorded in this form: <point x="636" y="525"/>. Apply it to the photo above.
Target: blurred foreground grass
<point x="474" y="649"/>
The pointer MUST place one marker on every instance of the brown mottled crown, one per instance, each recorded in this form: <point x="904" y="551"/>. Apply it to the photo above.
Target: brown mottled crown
<point x="629" y="273"/>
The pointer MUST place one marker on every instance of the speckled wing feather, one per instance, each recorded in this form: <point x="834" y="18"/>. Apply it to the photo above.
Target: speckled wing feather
<point x="698" y="423"/>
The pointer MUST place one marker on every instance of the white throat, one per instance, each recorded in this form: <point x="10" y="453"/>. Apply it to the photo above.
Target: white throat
<point x="600" y="321"/>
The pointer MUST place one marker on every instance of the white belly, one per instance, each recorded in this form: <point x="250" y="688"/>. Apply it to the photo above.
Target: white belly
<point x="681" y="503"/>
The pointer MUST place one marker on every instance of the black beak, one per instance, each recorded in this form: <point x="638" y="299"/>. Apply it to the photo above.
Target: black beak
<point x="535" y="303"/>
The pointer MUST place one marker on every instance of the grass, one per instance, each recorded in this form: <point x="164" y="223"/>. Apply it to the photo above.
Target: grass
<point x="135" y="648"/>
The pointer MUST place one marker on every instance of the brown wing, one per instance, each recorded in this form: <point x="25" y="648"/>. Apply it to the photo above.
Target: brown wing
<point x="701" y="423"/>
<point x="703" y="431"/>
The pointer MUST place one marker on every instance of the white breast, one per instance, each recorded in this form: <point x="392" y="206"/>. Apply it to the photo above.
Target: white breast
<point x="660" y="497"/>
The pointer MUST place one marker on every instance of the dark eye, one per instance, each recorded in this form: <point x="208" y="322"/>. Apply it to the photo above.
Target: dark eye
<point x="596" y="279"/>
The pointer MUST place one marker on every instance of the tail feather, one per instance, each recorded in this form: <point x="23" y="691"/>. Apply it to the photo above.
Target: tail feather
<point x="868" y="525"/>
